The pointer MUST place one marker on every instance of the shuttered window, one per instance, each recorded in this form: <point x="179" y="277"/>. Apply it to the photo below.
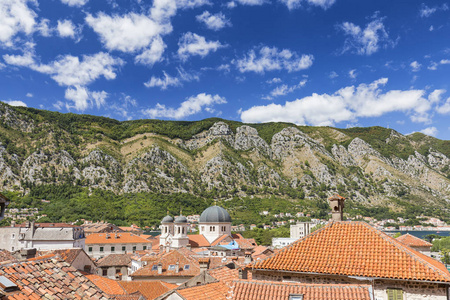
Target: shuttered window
<point x="395" y="294"/>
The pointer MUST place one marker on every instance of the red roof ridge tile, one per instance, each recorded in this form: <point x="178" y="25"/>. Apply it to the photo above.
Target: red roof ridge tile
<point x="411" y="240"/>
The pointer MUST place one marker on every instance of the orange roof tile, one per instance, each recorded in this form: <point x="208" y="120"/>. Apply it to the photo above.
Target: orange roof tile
<point x="109" y="286"/>
<point x="50" y="278"/>
<point x="271" y="290"/>
<point x="217" y="291"/>
<point x="149" y="289"/>
<point x="355" y="249"/>
<point x="110" y="238"/>
<point x="198" y="240"/>
<point x="181" y="256"/>
<point x="226" y="274"/>
<point x="412" y="241"/>
<point x="219" y="240"/>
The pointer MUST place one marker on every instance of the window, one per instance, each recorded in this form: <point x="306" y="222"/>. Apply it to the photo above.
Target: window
<point x="203" y="228"/>
<point x="155" y="268"/>
<point x="134" y="248"/>
<point x="104" y="272"/>
<point x="123" y="248"/>
<point x="179" y="230"/>
<point x="212" y="228"/>
<point x="171" y="268"/>
<point x="395" y="294"/>
<point x="13" y="236"/>
<point x="295" y="297"/>
<point x="144" y="248"/>
<point x="186" y="267"/>
<point x="182" y="230"/>
<point x="101" y="249"/>
<point x="165" y="229"/>
<point x="90" y="249"/>
<point x="117" y="270"/>
<point x="113" y="249"/>
<point x="12" y="248"/>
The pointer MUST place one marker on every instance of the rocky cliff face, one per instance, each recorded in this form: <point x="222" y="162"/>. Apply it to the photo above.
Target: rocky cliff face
<point x="223" y="161"/>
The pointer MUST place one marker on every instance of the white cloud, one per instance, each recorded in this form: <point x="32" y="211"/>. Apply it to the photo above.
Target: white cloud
<point x="83" y="99"/>
<point x="214" y="22"/>
<point x="167" y="80"/>
<point x="193" y="44"/>
<point x="153" y="53"/>
<point x="293" y="4"/>
<point x="44" y="28"/>
<point x="251" y="2"/>
<point x="415" y="66"/>
<point x="75" y="2"/>
<point x="70" y="71"/>
<point x="192" y="105"/>
<point x="274" y="80"/>
<point x="444" y="109"/>
<point x="433" y="66"/>
<point x="270" y="59"/>
<point x="128" y="33"/>
<point x="15" y="103"/>
<point x="436" y="95"/>
<point x="29" y="95"/>
<point x="66" y="28"/>
<point x="365" y="41"/>
<point x="333" y="75"/>
<point x="346" y="104"/>
<point x="432" y="131"/>
<point x="15" y="17"/>
<point x="426" y="11"/>
<point x="352" y="74"/>
<point x="284" y="89"/>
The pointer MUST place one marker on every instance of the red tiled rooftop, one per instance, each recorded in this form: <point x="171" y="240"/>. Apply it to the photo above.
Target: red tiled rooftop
<point x="149" y="289"/>
<point x="269" y="290"/>
<point x="49" y="278"/>
<point x="198" y="240"/>
<point x="355" y="249"/>
<point x="217" y="291"/>
<point x="109" y="286"/>
<point x="111" y="238"/>
<point x="412" y="241"/>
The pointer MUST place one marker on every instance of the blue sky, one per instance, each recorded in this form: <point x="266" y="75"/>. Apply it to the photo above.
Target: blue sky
<point x="313" y="62"/>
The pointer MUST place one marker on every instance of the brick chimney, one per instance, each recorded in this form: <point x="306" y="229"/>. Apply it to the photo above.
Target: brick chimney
<point x="337" y="207"/>
<point x="248" y="257"/>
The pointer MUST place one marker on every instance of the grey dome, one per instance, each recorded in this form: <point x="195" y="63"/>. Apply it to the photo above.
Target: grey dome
<point x="167" y="219"/>
<point x="215" y="214"/>
<point x="181" y="219"/>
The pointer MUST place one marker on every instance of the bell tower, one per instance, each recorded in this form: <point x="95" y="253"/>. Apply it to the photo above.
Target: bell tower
<point x="337" y="207"/>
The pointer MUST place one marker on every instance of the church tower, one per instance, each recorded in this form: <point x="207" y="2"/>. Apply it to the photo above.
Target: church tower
<point x="180" y="238"/>
<point x="337" y="207"/>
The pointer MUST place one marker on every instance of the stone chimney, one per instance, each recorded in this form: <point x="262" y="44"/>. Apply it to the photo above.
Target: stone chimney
<point x="204" y="264"/>
<point x="177" y="267"/>
<point x="248" y="257"/>
<point x="337" y="207"/>
<point x="160" y="268"/>
<point x="243" y="274"/>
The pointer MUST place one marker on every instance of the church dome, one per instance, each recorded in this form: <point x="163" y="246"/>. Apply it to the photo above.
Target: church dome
<point x="167" y="219"/>
<point x="215" y="214"/>
<point x="180" y="219"/>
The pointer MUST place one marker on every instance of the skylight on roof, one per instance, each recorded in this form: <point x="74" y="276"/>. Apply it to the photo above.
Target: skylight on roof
<point x="154" y="267"/>
<point x="187" y="267"/>
<point x="171" y="268"/>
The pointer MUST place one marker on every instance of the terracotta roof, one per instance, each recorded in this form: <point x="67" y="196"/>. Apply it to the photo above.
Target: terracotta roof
<point x="49" y="278"/>
<point x="226" y="274"/>
<point x="243" y="242"/>
<point x="412" y="241"/>
<point x="109" y="286"/>
<point x="68" y="255"/>
<point x="181" y="256"/>
<point x="149" y="289"/>
<point x="122" y="238"/>
<point x="198" y="240"/>
<point x="271" y="290"/>
<point x="355" y="249"/>
<point x="6" y="256"/>
<point x="217" y="291"/>
<point x="114" y="260"/>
